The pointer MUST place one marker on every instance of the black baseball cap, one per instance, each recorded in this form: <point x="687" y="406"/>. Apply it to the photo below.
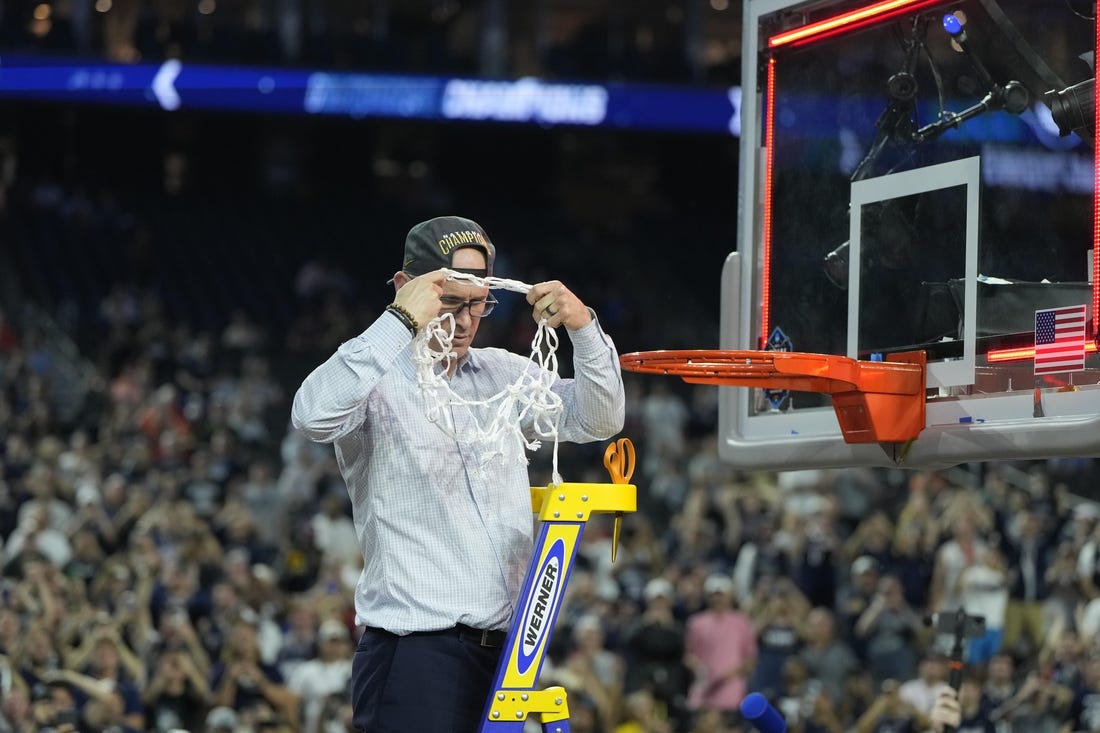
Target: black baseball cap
<point x="431" y="245"/>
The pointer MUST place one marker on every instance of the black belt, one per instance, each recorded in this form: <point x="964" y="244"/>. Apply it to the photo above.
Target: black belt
<point x="482" y="637"/>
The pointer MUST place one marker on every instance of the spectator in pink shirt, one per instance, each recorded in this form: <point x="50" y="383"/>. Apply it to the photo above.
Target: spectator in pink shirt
<point x="720" y="648"/>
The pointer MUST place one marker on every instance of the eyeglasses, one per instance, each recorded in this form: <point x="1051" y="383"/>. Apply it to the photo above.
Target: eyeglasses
<point x="478" y="308"/>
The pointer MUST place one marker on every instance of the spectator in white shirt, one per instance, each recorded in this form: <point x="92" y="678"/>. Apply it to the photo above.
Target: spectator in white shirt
<point x="326" y="674"/>
<point x="921" y="691"/>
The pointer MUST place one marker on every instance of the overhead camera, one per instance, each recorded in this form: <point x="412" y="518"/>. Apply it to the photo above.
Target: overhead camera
<point x="1073" y="108"/>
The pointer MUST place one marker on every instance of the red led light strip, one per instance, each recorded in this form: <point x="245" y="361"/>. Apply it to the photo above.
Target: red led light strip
<point x="1096" y="208"/>
<point x="769" y="153"/>
<point x="848" y="21"/>
<point x="1025" y="352"/>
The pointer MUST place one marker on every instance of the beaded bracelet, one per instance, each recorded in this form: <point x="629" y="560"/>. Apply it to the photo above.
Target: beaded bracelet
<point x="405" y="317"/>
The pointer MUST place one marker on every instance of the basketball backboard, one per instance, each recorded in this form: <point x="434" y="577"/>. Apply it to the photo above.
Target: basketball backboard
<point x="904" y="186"/>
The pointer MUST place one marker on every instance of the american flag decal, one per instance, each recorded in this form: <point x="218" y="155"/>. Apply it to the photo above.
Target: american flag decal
<point x="1060" y="340"/>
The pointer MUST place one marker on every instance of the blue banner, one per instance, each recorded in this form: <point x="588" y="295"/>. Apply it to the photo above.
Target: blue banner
<point x="174" y="85"/>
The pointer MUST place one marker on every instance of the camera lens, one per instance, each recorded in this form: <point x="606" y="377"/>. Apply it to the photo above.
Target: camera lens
<point x="1072" y="108"/>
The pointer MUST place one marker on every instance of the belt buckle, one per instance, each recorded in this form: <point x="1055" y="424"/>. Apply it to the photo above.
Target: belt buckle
<point x="485" y="638"/>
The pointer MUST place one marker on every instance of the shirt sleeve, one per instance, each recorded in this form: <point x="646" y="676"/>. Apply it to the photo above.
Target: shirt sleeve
<point x="332" y="400"/>
<point x="594" y="400"/>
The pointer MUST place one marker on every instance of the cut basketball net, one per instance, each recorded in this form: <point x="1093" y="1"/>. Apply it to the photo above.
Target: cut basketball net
<point x="498" y="419"/>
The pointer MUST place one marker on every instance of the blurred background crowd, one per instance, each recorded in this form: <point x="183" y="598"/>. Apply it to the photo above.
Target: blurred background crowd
<point x="644" y="40"/>
<point x="176" y="558"/>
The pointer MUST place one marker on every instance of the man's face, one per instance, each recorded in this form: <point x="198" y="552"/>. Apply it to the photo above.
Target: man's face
<point x="933" y="670"/>
<point x="465" y="325"/>
<point x="1000" y="668"/>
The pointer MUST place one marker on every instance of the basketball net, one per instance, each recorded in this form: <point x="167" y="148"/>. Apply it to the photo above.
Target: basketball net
<point x="498" y="420"/>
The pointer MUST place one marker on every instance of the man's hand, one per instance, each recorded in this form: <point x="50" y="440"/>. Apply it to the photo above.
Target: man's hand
<point x="420" y="296"/>
<point x="558" y="305"/>
<point x="946" y="711"/>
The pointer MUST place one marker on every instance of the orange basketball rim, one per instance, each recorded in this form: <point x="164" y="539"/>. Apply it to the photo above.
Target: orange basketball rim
<point x="874" y="401"/>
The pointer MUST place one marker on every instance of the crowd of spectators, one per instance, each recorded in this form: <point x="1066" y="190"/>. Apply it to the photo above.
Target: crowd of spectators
<point x="163" y="571"/>
<point x="176" y="558"/>
<point x="643" y="41"/>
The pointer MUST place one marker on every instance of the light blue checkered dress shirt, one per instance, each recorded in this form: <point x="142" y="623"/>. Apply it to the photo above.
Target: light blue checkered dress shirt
<point x="446" y="539"/>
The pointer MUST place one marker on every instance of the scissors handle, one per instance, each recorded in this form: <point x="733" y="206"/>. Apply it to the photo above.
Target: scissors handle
<point x="619" y="460"/>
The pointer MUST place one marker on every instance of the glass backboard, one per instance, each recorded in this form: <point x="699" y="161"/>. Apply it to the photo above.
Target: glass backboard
<point x="916" y="176"/>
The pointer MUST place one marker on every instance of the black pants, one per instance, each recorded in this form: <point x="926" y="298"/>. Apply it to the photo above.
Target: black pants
<point x="427" y="683"/>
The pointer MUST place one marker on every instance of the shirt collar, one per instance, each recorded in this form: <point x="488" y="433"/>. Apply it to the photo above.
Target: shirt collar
<point x="471" y="361"/>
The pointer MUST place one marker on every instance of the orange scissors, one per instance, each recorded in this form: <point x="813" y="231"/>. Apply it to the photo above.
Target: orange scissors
<point x="619" y="461"/>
